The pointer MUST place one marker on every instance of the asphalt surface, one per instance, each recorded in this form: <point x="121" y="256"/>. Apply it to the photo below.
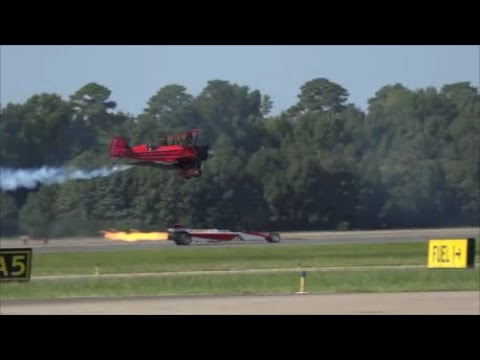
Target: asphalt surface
<point x="288" y="238"/>
<point x="441" y="303"/>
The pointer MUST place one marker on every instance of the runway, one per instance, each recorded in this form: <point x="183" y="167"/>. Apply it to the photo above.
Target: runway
<point x="288" y="238"/>
<point x="467" y="302"/>
<point x="442" y="303"/>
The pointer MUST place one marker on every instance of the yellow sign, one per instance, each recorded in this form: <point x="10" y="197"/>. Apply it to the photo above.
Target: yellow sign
<point x="15" y="264"/>
<point x="451" y="253"/>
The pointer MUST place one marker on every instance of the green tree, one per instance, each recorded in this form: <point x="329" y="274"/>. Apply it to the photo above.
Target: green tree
<point x="38" y="215"/>
<point x="8" y="215"/>
<point x="91" y="100"/>
<point x="92" y="107"/>
<point x="232" y="111"/>
<point x="168" y="111"/>
<point x="322" y="95"/>
<point x="267" y="105"/>
<point x="37" y="132"/>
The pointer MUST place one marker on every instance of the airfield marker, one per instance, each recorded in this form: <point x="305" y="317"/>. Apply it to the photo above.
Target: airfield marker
<point x="303" y="274"/>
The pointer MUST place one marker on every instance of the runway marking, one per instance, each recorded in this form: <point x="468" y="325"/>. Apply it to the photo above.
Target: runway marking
<point x="239" y="271"/>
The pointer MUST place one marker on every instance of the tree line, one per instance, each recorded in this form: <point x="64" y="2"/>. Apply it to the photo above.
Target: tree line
<point x="411" y="160"/>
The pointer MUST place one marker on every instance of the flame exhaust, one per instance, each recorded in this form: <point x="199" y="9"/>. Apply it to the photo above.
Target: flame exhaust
<point x="134" y="235"/>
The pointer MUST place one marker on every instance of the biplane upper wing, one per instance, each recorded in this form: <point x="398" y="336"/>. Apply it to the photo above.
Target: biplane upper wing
<point x="187" y="138"/>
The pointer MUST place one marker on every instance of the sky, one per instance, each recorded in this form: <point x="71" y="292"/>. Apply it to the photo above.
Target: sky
<point x="134" y="73"/>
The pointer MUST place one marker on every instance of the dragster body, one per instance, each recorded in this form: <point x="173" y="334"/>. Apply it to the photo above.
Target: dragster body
<point x="185" y="236"/>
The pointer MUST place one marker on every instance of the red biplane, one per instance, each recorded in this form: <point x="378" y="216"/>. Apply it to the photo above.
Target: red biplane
<point x="177" y="151"/>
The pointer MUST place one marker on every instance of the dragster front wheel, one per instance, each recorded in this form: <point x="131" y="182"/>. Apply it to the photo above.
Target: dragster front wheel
<point x="274" y="238"/>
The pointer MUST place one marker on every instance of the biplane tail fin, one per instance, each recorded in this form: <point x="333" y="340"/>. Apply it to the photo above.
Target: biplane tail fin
<point x="119" y="147"/>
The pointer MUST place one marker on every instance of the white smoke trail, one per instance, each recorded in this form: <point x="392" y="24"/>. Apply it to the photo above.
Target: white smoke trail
<point x="11" y="179"/>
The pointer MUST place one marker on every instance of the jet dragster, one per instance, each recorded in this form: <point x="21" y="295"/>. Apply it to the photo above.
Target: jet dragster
<point x="184" y="236"/>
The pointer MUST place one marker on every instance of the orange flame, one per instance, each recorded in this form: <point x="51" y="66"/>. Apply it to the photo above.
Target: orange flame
<point x="134" y="235"/>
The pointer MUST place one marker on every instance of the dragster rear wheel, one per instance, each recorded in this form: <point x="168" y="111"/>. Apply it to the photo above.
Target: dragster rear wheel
<point x="274" y="237"/>
<point x="183" y="238"/>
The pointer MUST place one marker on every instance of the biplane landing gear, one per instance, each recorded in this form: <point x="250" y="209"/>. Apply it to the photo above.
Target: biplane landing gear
<point x="189" y="173"/>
